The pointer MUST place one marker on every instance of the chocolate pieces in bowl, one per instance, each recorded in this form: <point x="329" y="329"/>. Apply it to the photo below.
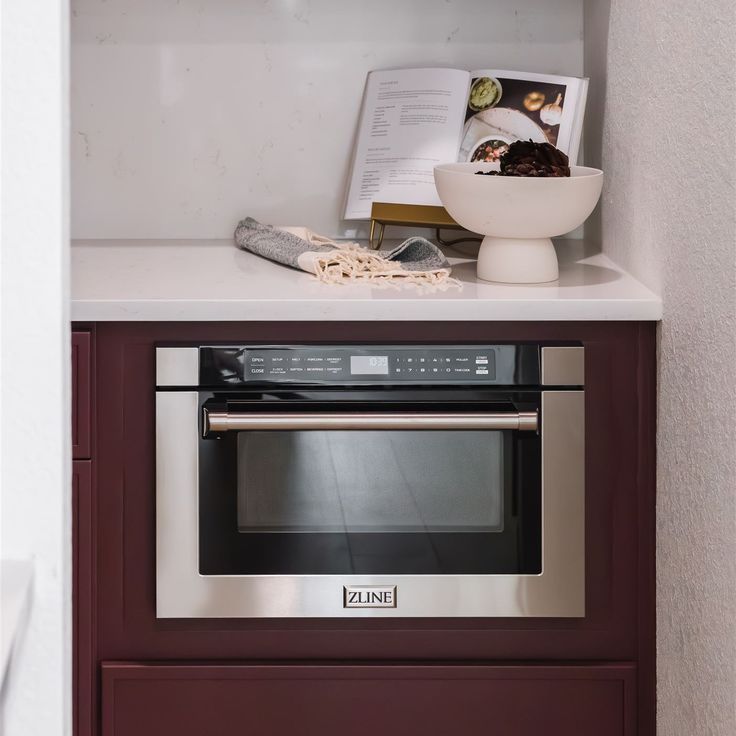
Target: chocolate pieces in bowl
<point x="527" y="158"/>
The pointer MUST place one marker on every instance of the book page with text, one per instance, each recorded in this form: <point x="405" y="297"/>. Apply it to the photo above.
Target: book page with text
<point x="411" y="120"/>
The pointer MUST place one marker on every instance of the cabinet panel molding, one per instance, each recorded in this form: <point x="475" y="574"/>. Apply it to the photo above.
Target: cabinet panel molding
<point x="81" y="395"/>
<point x="432" y="700"/>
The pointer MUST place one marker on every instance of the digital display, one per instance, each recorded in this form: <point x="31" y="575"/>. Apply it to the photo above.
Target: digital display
<point x="369" y="365"/>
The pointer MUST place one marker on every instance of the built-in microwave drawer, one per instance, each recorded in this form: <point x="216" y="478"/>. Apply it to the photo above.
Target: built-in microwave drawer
<point x="370" y="494"/>
<point x="230" y="700"/>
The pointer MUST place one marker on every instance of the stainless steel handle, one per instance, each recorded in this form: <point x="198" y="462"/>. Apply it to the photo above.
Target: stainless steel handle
<point x="215" y="421"/>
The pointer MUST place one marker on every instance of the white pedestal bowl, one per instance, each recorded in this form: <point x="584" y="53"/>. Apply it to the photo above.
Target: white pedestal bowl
<point x="518" y="216"/>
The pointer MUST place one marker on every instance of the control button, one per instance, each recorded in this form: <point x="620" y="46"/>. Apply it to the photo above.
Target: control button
<point x="480" y="360"/>
<point x="481" y="371"/>
<point x="257" y="370"/>
<point x="256" y="359"/>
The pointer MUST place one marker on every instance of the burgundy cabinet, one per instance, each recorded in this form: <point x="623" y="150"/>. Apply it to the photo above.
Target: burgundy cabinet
<point x="618" y="515"/>
<point x="150" y="700"/>
<point x="515" y="677"/>
<point x="84" y="669"/>
<point x="81" y="395"/>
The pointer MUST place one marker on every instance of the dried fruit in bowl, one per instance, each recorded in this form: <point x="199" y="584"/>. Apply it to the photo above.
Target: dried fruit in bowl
<point x="527" y="158"/>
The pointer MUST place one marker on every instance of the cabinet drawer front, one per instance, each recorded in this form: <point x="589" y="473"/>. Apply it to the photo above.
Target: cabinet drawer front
<point x="190" y="700"/>
<point x="81" y="395"/>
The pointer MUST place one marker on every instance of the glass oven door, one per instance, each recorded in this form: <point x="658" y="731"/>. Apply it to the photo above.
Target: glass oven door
<point x="411" y="482"/>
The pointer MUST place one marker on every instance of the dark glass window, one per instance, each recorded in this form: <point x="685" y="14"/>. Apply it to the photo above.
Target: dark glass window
<point x="370" y="481"/>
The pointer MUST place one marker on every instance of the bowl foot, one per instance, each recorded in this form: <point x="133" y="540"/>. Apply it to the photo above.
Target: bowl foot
<point x="517" y="260"/>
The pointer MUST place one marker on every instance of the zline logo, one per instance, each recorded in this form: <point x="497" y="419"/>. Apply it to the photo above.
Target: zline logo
<point x="369" y="596"/>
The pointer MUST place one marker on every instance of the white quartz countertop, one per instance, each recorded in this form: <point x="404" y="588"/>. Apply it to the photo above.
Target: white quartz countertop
<point x="211" y="280"/>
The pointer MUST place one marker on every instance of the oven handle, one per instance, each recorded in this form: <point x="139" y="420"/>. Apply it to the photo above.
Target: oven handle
<point x="222" y="421"/>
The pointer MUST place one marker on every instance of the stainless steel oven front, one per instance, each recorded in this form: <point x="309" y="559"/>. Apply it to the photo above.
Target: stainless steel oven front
<point x="370" y="481"/>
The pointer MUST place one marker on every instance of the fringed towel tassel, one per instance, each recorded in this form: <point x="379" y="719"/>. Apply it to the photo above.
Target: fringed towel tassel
<point x="355" y="264"/>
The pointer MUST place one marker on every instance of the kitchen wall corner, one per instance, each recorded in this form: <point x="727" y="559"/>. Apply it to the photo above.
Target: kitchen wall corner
<point x="670" y="102"/>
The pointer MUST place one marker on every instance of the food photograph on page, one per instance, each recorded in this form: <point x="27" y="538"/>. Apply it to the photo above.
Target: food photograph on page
<point x="413" y="120"/>
<point x="502" y="110"/>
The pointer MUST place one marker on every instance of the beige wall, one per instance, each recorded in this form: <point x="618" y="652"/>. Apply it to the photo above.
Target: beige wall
<point x="669" y="215"/>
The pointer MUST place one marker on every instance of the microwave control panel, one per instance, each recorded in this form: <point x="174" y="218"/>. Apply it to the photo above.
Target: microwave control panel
<point x="369" y="364"/>
<point x="501" y="365"/>
<point x="309" y="365"/>
<point x="214" y="366"/>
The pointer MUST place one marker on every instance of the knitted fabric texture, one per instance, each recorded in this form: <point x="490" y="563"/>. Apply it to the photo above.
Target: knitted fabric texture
<point x="415" y="261"/>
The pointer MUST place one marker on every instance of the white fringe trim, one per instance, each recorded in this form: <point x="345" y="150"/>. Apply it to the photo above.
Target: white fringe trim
<point x="353" y="264"/>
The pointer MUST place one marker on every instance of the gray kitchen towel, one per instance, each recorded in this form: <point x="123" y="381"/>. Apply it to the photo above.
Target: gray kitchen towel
<point x="415" y="261"/>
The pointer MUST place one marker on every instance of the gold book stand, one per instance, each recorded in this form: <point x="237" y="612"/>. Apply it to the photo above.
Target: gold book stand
<point x="412" y="215"/>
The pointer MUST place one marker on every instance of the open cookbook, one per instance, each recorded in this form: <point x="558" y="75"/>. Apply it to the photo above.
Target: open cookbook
<point x="413" y="119"/>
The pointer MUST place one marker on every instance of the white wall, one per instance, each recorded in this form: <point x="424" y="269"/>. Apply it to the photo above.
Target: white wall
<point x="670" y="217"/>
<point x="34" y="361"/>
<point x="188" y="115"/>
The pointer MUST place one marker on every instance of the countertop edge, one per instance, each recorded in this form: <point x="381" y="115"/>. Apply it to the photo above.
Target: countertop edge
<point x="643" y="310"/>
